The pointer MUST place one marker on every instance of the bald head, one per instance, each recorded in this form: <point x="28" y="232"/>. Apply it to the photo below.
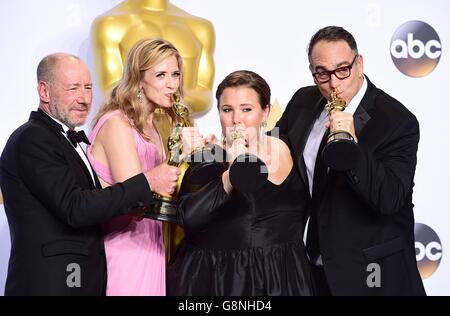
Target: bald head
<point x="46" y="68"/>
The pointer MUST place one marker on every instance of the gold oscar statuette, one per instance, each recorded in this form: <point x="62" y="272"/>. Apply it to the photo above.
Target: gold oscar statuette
<point x="203" y="164"/>
<point x="341" y="149"/>
<point x="165" y="208"/>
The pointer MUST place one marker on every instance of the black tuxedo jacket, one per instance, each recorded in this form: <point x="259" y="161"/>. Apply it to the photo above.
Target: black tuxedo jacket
<point x="365" y="215"/>
<point x="54" y="211"/>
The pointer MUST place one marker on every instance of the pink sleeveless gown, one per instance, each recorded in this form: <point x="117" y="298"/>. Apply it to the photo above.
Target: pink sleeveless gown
<point x="135" y="254"/>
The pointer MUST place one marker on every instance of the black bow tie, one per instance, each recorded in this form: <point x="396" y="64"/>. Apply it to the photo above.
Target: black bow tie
<point x="77" y="137"/>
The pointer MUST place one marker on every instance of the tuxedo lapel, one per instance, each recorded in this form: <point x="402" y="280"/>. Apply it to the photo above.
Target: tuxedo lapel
<point x="320" y="169"/>
<point x="96" y="181"/>
<point x="301" y="133"/>
<point x="362" y="116"/>
<point x="69" y="147"/>
<point x="43" y="118"/>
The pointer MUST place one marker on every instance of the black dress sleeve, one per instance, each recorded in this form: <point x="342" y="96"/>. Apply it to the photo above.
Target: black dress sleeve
<point x="197" y="209"/>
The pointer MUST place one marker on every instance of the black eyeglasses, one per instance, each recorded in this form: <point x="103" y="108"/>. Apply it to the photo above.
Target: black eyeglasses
<point x="324" y="76"/>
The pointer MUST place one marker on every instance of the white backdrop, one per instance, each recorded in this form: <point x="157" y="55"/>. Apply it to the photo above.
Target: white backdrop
<point x="269" y="37"/>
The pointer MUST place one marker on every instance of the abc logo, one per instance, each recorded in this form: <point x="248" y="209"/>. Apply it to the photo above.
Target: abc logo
<point x="428" y="250"/>
<point x="415" y="48"/>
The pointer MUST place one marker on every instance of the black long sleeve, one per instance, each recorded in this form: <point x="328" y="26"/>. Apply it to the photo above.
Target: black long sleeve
<point x="197" y="209"/>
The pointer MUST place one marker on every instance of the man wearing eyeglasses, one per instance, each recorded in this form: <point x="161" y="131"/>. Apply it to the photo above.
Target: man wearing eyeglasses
<point x="360" y="238"/>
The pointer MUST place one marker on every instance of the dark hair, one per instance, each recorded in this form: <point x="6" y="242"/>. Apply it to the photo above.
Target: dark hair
<point x="247" y="79"/>
<point x="332" y="34"/>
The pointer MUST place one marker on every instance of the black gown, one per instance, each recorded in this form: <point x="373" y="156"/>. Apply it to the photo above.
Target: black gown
<point x="242" y="244"/>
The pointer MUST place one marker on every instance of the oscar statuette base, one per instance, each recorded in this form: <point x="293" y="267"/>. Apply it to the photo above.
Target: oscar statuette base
<point x="164" y="209"/>
<point x="341" y="151"/>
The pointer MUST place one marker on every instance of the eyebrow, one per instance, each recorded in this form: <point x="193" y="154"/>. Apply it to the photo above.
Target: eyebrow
<point x="72" y="85"/>
<point x="241" y="105"/>
<point x="339" y="65"/>
<point x="164" y="71"/>
<point x="78" y="85"/>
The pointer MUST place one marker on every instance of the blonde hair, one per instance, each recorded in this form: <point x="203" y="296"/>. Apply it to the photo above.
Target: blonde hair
<point x="145" y="54"/>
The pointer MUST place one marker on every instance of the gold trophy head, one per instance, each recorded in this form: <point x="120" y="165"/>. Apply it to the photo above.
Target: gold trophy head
<point x="175" y="143"/>
<point x="335" y="103"/>
<point x="180" y="109"/>
<point x="341" y="149"/>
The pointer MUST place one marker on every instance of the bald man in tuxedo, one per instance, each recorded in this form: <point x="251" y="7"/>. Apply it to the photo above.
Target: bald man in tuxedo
<point x="53" y="199"/>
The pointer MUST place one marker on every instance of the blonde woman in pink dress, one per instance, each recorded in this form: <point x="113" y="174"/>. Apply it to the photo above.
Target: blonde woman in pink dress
<point x="125" y="142"/>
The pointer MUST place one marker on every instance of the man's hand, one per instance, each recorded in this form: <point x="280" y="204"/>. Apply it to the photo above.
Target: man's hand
<point x="163" y="178"/>
<point x="342" y="121"/>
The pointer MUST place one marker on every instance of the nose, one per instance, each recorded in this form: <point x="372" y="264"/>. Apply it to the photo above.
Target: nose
<point x="171" y="82"/>
<point x="334" y="81"/>
<point x="236" y="118"/>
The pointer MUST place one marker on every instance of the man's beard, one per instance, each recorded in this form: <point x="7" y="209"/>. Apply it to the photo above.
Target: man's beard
<point x="61" y="116"/>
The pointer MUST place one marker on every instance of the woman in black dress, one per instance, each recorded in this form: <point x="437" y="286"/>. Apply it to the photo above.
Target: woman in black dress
<point x="244" y="243"/>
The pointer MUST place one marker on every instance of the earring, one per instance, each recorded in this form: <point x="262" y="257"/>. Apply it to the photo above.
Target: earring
<point x="262" y="130"/>
<point x="139" y="95"/>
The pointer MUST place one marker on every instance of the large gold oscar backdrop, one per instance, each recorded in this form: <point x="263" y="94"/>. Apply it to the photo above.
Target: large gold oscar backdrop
<point x="115" y="32"/>
<point x="275" y="115"/>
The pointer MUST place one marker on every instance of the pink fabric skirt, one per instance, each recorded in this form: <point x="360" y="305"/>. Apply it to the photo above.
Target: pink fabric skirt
<point x="135" y="257"/>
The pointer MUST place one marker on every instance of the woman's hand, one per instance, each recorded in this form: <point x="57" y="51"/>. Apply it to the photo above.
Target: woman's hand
<point x="192" y="139"/>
